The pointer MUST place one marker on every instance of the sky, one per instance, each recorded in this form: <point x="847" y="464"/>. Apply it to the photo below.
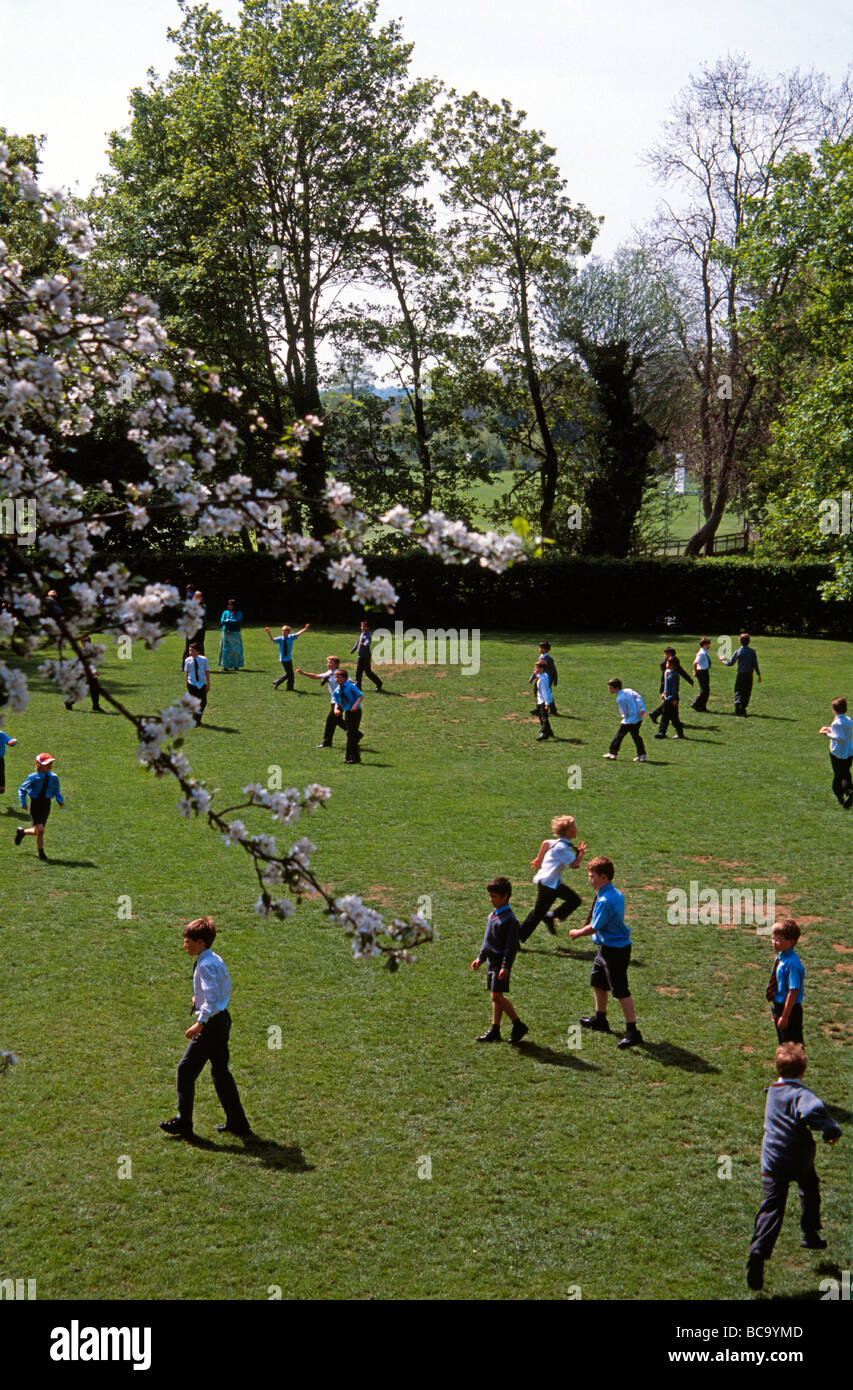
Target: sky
<point x="597" y="76"/>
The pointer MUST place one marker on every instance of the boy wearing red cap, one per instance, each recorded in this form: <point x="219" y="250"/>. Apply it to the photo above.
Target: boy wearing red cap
<point x="41" y="787"/>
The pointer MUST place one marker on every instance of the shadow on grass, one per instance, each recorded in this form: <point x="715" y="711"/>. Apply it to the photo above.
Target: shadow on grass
<point x="670" y="1055"/>
<point x="73" y="863"/>
<point x="550" y="1058"/>
<point x="218" y="728"/>
<point x="839" y="1114"/>
<point x="265" y="1152"/>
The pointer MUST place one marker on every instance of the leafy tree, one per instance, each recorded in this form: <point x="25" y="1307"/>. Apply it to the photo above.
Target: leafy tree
<point x="243" y="190"/>
<point x="728" y="131"/>
<point x="797" y="256"/>
<point x="618" y="319"/>
<point x="515" y="229"/>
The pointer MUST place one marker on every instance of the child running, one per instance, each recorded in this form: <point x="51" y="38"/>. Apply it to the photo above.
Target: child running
<point x="42" y="786"/>
<point x="285" y="652"/>
<point x="554" y="855"/>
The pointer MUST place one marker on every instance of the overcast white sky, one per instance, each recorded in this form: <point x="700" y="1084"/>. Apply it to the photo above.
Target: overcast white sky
<point x="596" y="75"/>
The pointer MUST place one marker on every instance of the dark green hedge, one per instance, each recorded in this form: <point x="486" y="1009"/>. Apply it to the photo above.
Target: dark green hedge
<point x="549" y="595"/>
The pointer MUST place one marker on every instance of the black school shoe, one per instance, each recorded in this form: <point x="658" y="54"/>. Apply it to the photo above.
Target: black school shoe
<point x="631" y="1039"/>
<point x="755" y="1272"/>
<point x="19" y="834"/>
<point x="548" y="919"/>
<point x="493" y="1035"/>
<point x="518" y="1031"/>
<point x="813" y="1241"/>
<point x="177" y="1127"/>
<point x="598" y="1025"/>
<point x="231" y="1129"/>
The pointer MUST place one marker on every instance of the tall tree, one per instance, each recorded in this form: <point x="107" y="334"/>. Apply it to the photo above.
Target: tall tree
<point x="618" y="318"/>
<point x="728" y="131"/>
<point x="243" y="190"/>
<point x="515" y="228"/>
<point x="797" y="258"/>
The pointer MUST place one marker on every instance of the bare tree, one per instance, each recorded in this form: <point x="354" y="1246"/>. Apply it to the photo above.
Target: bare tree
<point x="728" y="130"/>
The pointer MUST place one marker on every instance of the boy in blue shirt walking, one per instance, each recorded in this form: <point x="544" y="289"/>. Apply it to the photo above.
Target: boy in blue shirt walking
<point x="787" y="1155"/>
<point x="285" y="652"/>
<point x="785" y="987"/>
<point x="499" y="948"/>
<point x="607" y="927"/>
<point x="747" y="666"/>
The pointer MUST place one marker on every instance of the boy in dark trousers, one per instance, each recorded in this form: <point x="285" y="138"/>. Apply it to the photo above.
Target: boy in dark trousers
<point x="667" y="653"/>
<point x="606" y="926"/>
<point x="499" y="948"/>
<point x="347" y="703"/>
<point x="333" y="720"/>
<point x="94" y="684"/>
<point x="747" y="666"/>
<point x="285" y="652"/>
<point x="42" y="786"/>
<point x="787" y="1155"/>
<point x="544" y="701"/>
<point x="362" y="662"/>
<point x="550" y="670"/>
<point x="669" y="701"/>
<point x="785" y="987"/>
<point x="702" y="672"/>
<point x="208" y="1037"/>
<point x="5" y="742"/>
<point x="554" y="855"/>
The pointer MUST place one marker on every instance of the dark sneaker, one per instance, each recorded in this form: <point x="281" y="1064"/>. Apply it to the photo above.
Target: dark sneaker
<point x="177" y="1127"/>
<point x="660" y="735"/>
<point x="598" y="1025"/>
<point x="518" y="1031"/>
<point x="19" y="834"/>
<point x="548" y="919"/>
<point x="493" y="1035"/>
<point x="631" y="1039"/>
<point x="241" y="1132"/>
<point x="848" y="801"/>
<point x="812" y="1241"/>
<point x="755" y="1272"/>
<point x="322" y="745"/>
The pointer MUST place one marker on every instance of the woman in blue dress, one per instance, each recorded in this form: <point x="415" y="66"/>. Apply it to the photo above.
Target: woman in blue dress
<point x="231" y="643"/>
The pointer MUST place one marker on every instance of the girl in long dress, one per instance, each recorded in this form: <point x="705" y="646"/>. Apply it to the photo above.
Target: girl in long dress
<point x="231" y="642"/>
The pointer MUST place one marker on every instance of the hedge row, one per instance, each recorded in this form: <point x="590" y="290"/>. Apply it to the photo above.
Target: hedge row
<point x="548" y="595"/>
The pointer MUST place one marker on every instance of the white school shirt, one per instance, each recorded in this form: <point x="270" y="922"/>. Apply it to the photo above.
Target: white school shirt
<point x="203" y="668"/>
<point x="543" y="689"/>
<point x="211" y="985"/>
<point x="630" y="706"/>
<point x="841" y="736"/>
<point x="703" y="660"/>
<point x="558" y="855"/>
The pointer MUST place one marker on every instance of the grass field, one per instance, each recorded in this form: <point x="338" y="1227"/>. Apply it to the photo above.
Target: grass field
<point x="553" y="1168"/>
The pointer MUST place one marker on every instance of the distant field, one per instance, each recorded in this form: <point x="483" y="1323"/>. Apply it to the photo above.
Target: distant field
<point x="552" y="1166"/>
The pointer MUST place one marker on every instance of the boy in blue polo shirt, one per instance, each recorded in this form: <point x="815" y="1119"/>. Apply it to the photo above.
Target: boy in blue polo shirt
<point x="747" y="666"/>
<point x="41" y="787"/>
<point x="607" y="927"/>
<point x="5" y="742"/>
<point x="499" y="948"/>
<point x="285" y="650"/>
<point x="787" y="1155"/>
<point x="785" y="988"/>
<point x="347" y="702"/>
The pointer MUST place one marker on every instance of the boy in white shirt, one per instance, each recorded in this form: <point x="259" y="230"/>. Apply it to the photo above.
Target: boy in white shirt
<point x="197" y="668"/>
<point x="633" y="711"/>
<point x="544" y="700"/>
<point x="554" y="855"/>
<point x="840" y="735"/>
<point x="702" y="672"/>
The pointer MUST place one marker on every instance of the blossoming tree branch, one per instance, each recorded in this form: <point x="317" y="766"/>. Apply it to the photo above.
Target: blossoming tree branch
<point x="56" y="357"/>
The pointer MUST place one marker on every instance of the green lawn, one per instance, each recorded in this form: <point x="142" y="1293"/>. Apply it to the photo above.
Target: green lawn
<point x="552" y="1167"/>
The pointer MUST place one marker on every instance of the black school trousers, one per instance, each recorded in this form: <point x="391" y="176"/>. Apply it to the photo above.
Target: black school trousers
<point x="703" y="680"/>
<point x="768" y="1222"/>
<point x="634" y="731"/>
<point x="545" y="897"/>
<point x="841" y="784"/>
<point x="211" y="1046"/>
